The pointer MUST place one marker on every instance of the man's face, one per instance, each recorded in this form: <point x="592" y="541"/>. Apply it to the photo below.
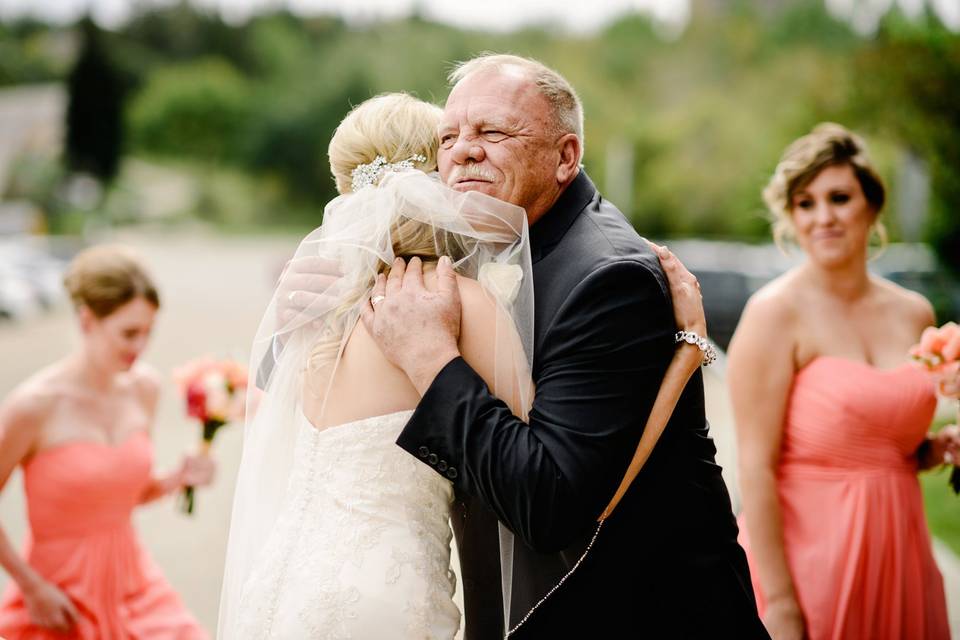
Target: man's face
<point x="498" y="136"/>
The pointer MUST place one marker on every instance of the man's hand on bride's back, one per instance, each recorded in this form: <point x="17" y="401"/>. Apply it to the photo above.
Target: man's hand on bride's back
<point x="308" y="285"/>
<point x="685" y="291"/>
<point x="417" y="329"/>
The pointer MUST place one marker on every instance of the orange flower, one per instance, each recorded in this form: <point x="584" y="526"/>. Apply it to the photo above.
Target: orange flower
<point x="948" y="380"/>
<point x="938" y="347"/>
<point x="951" y="336"/>
<point x="939" y="352"/>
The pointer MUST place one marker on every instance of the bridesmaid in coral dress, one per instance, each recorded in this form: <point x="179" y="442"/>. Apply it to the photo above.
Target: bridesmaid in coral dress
<point x="80" y="431"/>
<point x="832" y="420"/>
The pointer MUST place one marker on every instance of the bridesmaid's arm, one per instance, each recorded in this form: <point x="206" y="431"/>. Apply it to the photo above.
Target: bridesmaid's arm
<point x="163" y="486"/>
<point x="21" y="416"/>
<point x="19" y="424"/>
<point x="148" y="390"/>
<point x="194" y="470"/>
<point x="760" y="373"/>
<point x="689" y="316"/>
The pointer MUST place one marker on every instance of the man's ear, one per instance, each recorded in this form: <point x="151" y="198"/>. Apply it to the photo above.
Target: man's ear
<point x="570" y="149"/>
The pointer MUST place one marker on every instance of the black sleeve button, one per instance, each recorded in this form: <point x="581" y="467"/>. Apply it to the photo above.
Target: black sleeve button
<point x="433" y="459"/>
<point x="423" y="451"/>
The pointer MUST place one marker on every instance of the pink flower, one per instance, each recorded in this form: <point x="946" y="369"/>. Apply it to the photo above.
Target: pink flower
<point x="937" y="347"/>
<point x="196" y="400"/>
<point x="218" y="395"/>
<point x="931" y="341"/>
<point x="939" y="352"/>
<point x="948" y="380"/>
<point x="213" y="389"/>
<point x="235" y="373"/>
<point x="237" y="407"/>
<point x="951" y="336"/>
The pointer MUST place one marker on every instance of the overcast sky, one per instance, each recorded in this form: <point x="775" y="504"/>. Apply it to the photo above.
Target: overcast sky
<point x="576" y="15"/>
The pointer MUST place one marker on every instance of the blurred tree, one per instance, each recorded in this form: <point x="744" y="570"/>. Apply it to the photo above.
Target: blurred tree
<point x="29" y="53"/>
<point x="95" y="109"/>
<point x="706" y="111"/>
<point x="908" y="87"/>
<point x="196" y="109"/>
<point x="289" y="137"/>
<point x="182" y="32"/>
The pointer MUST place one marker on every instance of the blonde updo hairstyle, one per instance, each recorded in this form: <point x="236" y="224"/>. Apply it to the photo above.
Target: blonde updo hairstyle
<point x="397" y="127"/>
<point x="104" y="278"/>
<point x="827" y="145"/>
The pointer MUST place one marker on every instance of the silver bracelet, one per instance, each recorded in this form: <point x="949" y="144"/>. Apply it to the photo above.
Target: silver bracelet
<point x="709" y="352"/>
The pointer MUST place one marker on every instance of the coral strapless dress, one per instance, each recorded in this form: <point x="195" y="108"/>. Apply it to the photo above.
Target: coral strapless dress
<point x="79" y="497"/>
<point x="854" y="531"/>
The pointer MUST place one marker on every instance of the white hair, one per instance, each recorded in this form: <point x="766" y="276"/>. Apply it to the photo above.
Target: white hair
<point x="568" y="109"/>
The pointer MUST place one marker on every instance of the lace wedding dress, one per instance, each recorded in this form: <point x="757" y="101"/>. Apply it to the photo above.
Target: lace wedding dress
<point x="362" y="546"/>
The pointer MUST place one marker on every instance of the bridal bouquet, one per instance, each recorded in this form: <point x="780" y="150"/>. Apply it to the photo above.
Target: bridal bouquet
<point x="215" y="394"/>
<point x="939" y="353"/>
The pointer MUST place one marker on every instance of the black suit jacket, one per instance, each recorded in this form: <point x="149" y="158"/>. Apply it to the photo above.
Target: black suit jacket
<point x="667" y="563"/>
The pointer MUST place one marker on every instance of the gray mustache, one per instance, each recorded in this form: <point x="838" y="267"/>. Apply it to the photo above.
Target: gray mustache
<point x="469" y="172"/>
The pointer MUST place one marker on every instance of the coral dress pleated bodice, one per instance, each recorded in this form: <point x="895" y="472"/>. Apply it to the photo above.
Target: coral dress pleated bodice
<point x="80" y="496"/>
<point x="854" y="530"/>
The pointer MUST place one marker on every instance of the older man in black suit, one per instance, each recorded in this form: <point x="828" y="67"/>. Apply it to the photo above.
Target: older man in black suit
<point x="667" y="564"/>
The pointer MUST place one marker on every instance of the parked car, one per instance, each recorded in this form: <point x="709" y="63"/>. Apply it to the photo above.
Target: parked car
<point x="730" y="272"/>
<point x="30" y="277"/>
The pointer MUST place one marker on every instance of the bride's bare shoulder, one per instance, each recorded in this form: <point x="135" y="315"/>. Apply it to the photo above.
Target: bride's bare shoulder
<point x="477" y="305"/>
<point x="475" y="298"/>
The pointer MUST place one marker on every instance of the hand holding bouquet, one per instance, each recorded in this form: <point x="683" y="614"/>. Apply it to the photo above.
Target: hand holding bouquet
<point x="215" y="394"/>
<point x="939" y="353"/>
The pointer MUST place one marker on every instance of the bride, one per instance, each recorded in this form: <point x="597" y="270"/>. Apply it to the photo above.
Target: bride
<point x="337" y="532"/>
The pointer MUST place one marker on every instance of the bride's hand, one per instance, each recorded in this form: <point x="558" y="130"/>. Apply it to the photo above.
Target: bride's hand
<point x="685" y="291"/>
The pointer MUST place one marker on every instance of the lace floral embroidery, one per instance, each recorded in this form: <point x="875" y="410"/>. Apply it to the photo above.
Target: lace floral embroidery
<point x="364" y="537"/>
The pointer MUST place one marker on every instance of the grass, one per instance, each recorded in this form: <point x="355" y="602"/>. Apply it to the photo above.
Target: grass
<point x="941" y="504"/>
<point x="942" y="507"/>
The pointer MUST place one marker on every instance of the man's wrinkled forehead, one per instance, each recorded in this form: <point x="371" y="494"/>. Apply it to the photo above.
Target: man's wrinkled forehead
<point x="501" y="90"/>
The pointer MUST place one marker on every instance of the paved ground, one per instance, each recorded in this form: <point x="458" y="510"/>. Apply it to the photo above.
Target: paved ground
<point x="214" y="290"/>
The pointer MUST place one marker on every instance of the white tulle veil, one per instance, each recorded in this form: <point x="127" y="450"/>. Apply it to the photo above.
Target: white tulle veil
<point x="488" y="241"/>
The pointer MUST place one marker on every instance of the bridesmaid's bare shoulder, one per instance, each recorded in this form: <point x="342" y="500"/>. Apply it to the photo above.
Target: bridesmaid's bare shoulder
<point x="900" y="301"/>
<point x="779" y="302"/>
<point x="27" y="408"/>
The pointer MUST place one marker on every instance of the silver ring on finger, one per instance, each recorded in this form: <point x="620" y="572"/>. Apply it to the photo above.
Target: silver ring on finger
<point x="375" y="300"/>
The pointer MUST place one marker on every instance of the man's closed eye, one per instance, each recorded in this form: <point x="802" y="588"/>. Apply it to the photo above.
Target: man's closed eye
<point x="494" y="135"/>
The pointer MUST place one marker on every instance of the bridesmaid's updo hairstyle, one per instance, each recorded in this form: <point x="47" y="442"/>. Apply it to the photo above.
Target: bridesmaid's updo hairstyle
<point x="827" y="145"/>
<point x="104" y="278"/>
<point x="395" y="126"/>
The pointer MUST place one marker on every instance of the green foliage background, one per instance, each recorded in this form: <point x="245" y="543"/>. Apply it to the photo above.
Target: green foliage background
<point x="706" y="114"/>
